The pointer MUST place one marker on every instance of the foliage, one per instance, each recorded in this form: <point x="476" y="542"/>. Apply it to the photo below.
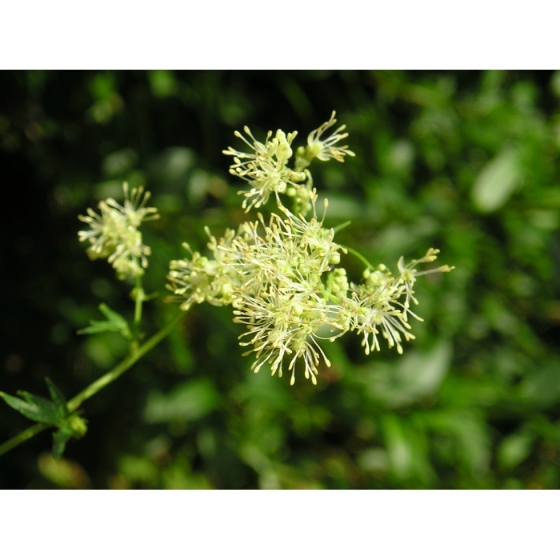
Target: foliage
<point x="463" y="161"/>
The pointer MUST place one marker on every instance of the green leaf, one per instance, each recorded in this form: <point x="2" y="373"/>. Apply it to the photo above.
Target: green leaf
<point x="407" y="450"/>
<point x="515" y="448"/>
<point x="470" y="434"/>
<point x="497" y="181"/>
<point x="188" y="401"/>
<point x="58" y="398"/>
<point x="99" y="327"/>
<point x="114" y="317"/>
<point x="398" y="446"/>
<point x="115" y="323"/>
<point x="541" y="387"/>
<point x="416" y="375"/>
<point x="35" y="408"/>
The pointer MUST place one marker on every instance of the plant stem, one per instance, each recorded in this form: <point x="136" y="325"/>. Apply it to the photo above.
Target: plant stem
<point x="22" y="436"/>
<point x="341" y="226"/>
<point x="96" y="386"/>
<point x="139" y="300"/>
<point x="360" y="256"/>
<point x="128" y="362"/>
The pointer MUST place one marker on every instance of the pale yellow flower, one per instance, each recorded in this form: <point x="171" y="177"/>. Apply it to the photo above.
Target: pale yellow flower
<point x="114" y="234"/>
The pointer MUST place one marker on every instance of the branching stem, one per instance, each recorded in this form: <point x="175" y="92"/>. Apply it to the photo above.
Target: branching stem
<point x="97" y="385"/>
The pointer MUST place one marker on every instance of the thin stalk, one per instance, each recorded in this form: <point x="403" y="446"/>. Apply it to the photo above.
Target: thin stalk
<point x="126" y="364"/>
<point x="139" y="300"/>
<point x="341" y="226"/>
<point x="359" y="256"/>
<point x="327" y="292"/>
<point x="97" y="385"/>
<point x="22" y="436"/>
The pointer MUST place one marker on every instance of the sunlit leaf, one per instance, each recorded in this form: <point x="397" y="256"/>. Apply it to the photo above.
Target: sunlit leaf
<point x="497" y="181"/>
<point x="515" y="448"/>
<point x="188" y="401"/>
<point x="414" y="376"/>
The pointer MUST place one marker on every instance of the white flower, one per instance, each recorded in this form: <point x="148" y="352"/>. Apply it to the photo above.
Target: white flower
<point x="326" y="149"/>
<point x="114" y="234"/>
<point x="408" y="274"/>
<point x="284" y="323"/>
<point x="266" y="169"/>
<point x="382" y="303"/>
<point x="201" y="279"/>
<point x="282" y="276"/>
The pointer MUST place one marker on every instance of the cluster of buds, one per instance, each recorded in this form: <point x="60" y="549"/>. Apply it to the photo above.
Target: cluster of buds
<point x="114" y="233"/>
<point x="282" y="275"/>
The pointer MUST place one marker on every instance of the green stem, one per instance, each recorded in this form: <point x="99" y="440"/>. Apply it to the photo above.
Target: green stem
<point x="360" y="256"/>
<point x="22" y="436"/>
<point x="96" y="386"/>
<point x="126" y="364"/>
<point x="327" y="291"/>
<point x="139" y="300"/>
<point x="341" y="226"/>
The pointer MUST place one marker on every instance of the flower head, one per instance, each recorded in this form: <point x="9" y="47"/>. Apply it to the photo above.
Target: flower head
<point x="283" y="322"/>
<point x="283" y="277"/>
<point x="266" y="169"/>
<point x="114" y="234"/>
<point x="326" y="149"/>
<point x="201" y="279"/>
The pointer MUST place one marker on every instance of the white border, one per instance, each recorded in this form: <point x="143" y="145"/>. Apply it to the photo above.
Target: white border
<point x="358" y="34"/>
<point x="280" y="524"/>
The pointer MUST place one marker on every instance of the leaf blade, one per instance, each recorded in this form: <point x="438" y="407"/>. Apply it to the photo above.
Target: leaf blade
<point x="33" y="407"/>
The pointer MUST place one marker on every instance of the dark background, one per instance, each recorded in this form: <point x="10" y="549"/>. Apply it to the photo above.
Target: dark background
<point x="463" y="161"/>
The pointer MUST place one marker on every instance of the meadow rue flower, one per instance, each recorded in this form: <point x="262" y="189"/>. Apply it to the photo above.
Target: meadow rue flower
<point x="283" y="322"/>
<point x="265" y="169"/>
<point x="201" y="279"/>
<point x="114" y="234"/>
<point x="325" y="149"/>
<point x="283" y="277"/>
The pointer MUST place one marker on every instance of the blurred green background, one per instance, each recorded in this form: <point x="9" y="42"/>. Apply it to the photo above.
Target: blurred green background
<point x="463" y="161"/>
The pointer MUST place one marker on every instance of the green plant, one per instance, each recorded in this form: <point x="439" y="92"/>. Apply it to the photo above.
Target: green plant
<point x="282" y="276"/>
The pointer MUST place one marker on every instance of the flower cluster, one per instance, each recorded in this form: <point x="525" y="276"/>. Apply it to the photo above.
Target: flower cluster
<point x="282" y="275"/>
<point x="114" y="233"/>
<point x="266" y="168"/>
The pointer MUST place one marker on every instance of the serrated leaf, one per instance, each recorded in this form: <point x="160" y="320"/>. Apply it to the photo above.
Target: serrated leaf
<point x="58" y="398"/>
<point x="33" y="407"/>
<point x="497" y="181"/>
